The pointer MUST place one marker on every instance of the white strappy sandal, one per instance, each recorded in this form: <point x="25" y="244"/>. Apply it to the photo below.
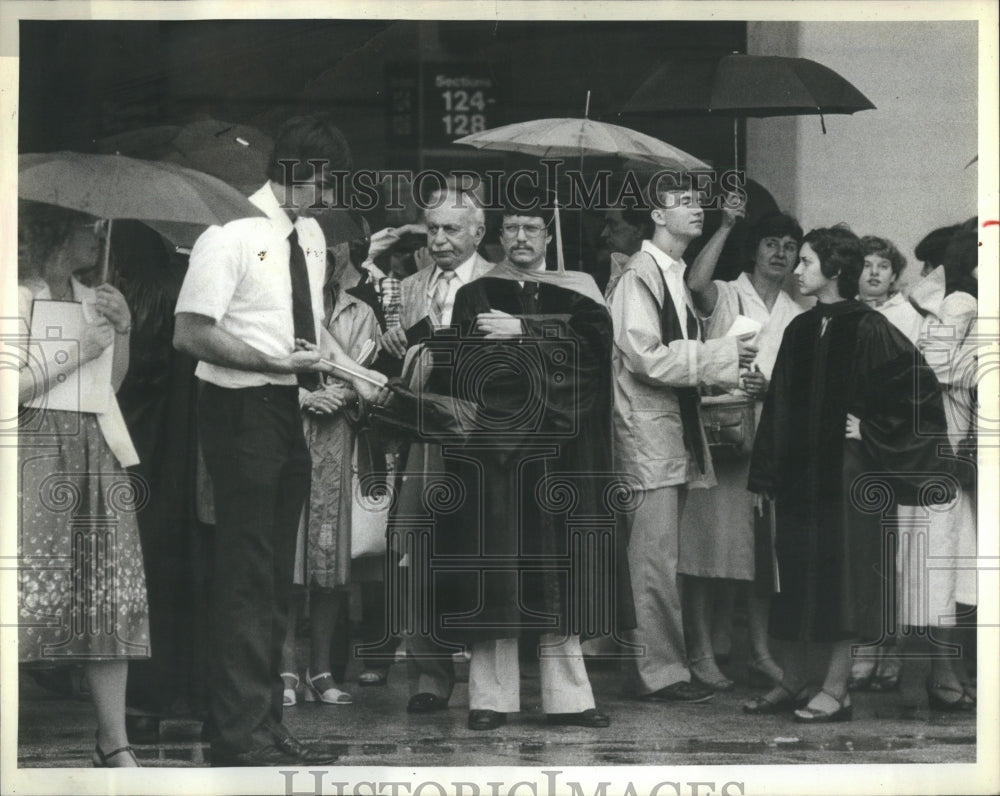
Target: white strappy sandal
<point x="329" y="696"/>
<point x="289" y="697"/>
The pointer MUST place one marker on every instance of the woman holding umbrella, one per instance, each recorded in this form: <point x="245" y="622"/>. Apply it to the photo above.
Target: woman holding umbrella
<point x="99" y="600"/>
<point x="836" y="449"/>
<point x="717" y="530"/>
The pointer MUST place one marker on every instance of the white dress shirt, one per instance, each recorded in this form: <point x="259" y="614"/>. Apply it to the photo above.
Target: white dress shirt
<point x="740" y="297"/>
<point x="673" y="273"/>
<point x="238" y="276"/>
<point x="463" y="275"/>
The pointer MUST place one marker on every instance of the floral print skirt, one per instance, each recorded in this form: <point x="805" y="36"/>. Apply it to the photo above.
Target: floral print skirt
<point x="81" y="584"/>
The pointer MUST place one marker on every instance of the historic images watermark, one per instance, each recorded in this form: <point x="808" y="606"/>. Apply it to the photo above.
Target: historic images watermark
<point x="550" y="783"/>
<point x="497" y="189"/>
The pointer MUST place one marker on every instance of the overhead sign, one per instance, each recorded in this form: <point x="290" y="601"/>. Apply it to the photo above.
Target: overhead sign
<point x="457" y="99"/>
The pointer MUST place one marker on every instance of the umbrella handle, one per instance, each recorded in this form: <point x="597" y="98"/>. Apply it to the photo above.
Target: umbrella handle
<point x="107" y="255"/>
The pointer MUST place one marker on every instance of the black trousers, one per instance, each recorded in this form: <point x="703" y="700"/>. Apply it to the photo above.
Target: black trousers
<point x="257" y="457"/>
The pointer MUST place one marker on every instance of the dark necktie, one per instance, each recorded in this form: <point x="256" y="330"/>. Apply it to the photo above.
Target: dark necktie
<point x="529" y="297"/>
<point x="693" y="329"/>
<point x="302" y="314"/>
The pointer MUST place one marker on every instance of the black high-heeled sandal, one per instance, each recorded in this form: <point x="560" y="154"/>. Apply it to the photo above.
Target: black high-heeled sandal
<point x="887" y="674"/>
<point x="100" y="759"/>
<point x="962" y="703"/>
<point x="762" y="706"/>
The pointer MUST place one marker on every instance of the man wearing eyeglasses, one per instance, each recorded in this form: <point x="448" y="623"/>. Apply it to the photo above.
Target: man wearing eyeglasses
<point x="533" y="356"/>
<point x="660" y="361"/>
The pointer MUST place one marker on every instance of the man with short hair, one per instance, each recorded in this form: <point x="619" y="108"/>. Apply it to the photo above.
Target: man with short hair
<point x="540" y="384"/>
<point x="250" y="311"/>
<point x="455" y="228"/>
<point x="659" y="362"/>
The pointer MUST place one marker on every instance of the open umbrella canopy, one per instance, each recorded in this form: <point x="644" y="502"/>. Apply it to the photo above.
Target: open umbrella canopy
<point x="116" y="186"/>
<point x="744" y="85"/>
<point x="580" y="137"/>
<point x="237" y="154"/>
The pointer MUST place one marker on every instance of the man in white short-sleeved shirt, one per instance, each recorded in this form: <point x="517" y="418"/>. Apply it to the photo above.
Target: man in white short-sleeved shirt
<point x="250" y="311"/>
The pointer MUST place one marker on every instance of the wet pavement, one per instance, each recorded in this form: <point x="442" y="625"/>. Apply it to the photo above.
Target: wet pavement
<point x="56" y="731"/>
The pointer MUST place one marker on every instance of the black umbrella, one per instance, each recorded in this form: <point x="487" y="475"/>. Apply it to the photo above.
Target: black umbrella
<point x="420" y="414"/>
<point x="237" y="154"/>
<point x="744" y="85"/>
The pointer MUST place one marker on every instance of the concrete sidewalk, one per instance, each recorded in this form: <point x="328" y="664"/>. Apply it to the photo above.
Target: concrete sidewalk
<point x="56" y="731"/>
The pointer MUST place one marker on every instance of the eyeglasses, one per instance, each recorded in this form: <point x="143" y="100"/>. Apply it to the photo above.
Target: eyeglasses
<point x="98" y="228"/>
<point x="530" y="230"/>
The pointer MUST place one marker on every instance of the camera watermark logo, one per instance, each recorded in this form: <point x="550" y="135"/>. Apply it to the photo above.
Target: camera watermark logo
<point x="79" y="574"/>
<point x="499" y="389"/>
<point x="917" y="556"/>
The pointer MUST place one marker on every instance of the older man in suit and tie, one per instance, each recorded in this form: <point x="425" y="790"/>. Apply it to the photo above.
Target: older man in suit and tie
<point x="455" y="228"/>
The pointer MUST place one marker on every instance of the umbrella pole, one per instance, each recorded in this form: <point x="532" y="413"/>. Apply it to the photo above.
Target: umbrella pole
<point x="107" y="255"/>
<point x="579" y="229"/>
<point x="736" y="143"/>
<point x="560" y="265"/>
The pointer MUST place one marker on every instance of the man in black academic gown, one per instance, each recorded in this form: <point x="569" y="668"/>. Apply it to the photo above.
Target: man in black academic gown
<point x="536" y="509"/>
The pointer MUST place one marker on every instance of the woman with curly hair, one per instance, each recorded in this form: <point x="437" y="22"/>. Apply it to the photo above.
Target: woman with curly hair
<point x="82" y="590"/>
<point x="835" y="450"/>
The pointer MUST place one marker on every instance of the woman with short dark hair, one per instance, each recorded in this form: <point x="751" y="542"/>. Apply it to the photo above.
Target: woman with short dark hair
<point x="936" y="596"/>
<point x="836" y="449"/>
<point x="717" y="546"/>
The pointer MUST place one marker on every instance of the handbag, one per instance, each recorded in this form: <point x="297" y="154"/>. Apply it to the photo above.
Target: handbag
<point x="370" y="502"/>
<point x="729" y="422"/>
<point x="729" y="419"/>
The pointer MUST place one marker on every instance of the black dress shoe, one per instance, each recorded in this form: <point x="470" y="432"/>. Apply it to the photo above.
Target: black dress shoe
<point x="426" y="703"/>
<point x="308" y="754"/>
<point x="266" y="756"/>
<point x="682" y="692"/>
<point x="585" y="718"/>
<point x="486" y="719"/>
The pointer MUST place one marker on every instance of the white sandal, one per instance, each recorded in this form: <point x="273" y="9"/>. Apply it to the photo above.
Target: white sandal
<point x="331" y="696"/>
<point x="289" y="698"/>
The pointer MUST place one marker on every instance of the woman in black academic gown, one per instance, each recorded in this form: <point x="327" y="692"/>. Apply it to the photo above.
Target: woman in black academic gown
<point x="838" y="446"/>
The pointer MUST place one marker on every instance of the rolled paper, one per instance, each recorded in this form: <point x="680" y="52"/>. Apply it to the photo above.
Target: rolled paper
<point x="351" y="372"/>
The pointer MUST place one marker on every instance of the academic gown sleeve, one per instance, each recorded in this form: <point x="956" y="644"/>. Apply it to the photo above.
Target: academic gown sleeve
<point x="903" y="426"/>
<point x="773" y="426"/>
<point x="557" y="374"/>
